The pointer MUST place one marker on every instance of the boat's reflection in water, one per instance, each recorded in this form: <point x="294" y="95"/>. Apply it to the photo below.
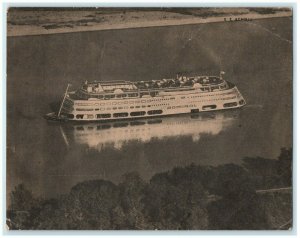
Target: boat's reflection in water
<point x="115" y="134"/>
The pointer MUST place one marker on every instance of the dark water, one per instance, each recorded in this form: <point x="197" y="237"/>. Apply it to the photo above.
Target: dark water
<point x="51" y="158"/>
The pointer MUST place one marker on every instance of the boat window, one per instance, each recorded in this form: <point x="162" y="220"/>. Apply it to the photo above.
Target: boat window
<point x="230" y="104"/>
<point x="121" y="114"/>
<point x="133" y="94"/>
<point x="100" y="96"/>
<point x="90" y="116"/>
<point x="209" y="107"/>
<point x="140" y="113"/>
<point x="104" y="115"/>
<point x="84" y="109"/>
<point x="194" y="110"/>
<point x="119" y="96"/>
<point x="124" y="95"/>
<point x="154" y="112"/>
<point x="79" y="116"/>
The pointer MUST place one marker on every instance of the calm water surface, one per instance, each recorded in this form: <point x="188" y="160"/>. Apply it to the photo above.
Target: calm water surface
<point x="50" y="157"/>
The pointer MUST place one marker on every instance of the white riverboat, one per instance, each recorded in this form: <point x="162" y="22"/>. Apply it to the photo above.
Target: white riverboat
<point x="114" y="100"/>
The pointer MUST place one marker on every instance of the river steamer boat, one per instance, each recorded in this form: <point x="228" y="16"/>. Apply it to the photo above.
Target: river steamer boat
<point x="112" y="100"/>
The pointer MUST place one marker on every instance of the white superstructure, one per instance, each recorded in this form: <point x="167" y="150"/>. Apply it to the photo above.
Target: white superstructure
<point x="102" y="101"/>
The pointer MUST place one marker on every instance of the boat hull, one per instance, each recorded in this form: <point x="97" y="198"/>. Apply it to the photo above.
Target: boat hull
<point x="165" y="104"/>
<point x="54" y="117"/>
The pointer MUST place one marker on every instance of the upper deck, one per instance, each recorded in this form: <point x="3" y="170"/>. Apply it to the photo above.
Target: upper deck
<point x="127" y="89"/>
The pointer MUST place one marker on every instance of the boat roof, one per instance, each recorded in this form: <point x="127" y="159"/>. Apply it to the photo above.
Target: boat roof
<point x="123" y="86"/>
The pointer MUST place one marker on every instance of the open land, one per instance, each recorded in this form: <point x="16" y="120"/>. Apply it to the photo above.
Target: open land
<point x="37" y="21"/>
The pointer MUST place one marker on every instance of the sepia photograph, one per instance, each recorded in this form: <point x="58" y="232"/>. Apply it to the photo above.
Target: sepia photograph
<point x="149" y="118"/>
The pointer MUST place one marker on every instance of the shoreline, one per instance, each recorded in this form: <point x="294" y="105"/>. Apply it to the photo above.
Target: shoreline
<point x="30" y="30"/>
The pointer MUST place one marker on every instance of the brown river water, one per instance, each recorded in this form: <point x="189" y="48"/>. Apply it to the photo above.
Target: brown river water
<point x="51" y="157"/>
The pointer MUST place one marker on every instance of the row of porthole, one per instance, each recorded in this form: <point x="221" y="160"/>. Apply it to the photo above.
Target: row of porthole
<point x="122" y="102"/>
<point x="221" y="94"/>
<point x="112" y="96"/>
<point x="114" y="108"/>
<point x="217" y="99"/>
<point x="213" y="106"/>
<point x="151" y="112"/>
<point x="180" y="106"/>
<point x="173" y="107"/>
<point x="142" y="101"/>
<point x="120" y="114"/>
<point x="84" y="95"/>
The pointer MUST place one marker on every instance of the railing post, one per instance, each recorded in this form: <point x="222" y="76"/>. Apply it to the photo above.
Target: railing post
<point x="63" y="101"/>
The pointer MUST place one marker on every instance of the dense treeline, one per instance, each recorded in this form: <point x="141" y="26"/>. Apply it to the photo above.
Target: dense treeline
<point x="194" y="197"/>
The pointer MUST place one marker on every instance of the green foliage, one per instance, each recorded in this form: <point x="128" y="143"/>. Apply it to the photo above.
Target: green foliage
<point x="21" y="202"/>
<point x="21" y="199"/>
<point x="194" y="197"/>
<point x="173" y="199"/>
<point x="266" y="173"/>
<point x="131" y="194"/>
<point x="285" y="162"/>
<point x="89" y="204"/>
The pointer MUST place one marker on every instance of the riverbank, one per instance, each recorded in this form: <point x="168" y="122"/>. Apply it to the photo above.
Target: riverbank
<point x="39" y="22"/>
<point x="194" y="197"/>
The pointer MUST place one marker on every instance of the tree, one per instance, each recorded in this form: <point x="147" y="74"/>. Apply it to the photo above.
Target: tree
<point x="21" y="202"/>
<point x="131" y="194"/>
<point x="285" y="162"/>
